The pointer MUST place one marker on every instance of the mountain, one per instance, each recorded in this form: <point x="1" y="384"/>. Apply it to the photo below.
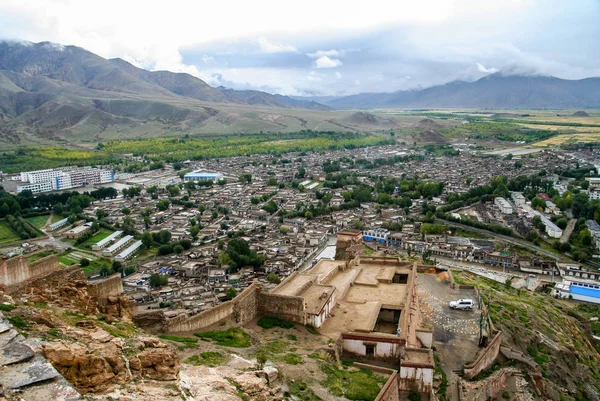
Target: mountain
<point x="496" y="91"/>
<point x="50" y="93"/>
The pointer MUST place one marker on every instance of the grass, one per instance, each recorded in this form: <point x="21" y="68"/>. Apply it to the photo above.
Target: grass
<point x="7" y="235"/>
<point x="38" y="221"/>
<point x="293" y="359"/>
<point x="211" y="359"/>
<point x="312" y="330"/>
<point x="302" y="392"/>
<point x="18" y="322"/>
<point x="268" y="322"/>
<point x="352" y="383"/>
<point x="6" y="307"/>
<point x="184" y="340"/>
<point x="40" y="255"/>
<point x="100" y="235"/>
<point x="232" y="337"/>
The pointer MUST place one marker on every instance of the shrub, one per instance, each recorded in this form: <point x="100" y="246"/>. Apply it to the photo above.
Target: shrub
<point x="232" y="337"/>
<point x="83" y="262"/>
<point x="268" y="322"/>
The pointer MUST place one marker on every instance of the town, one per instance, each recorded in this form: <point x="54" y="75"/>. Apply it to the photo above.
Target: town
<point x="188" y="238"/>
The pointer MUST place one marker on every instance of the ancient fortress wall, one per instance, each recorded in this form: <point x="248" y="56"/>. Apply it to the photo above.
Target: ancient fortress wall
<point x="16" y="270"/>
<point x="109" y="287"/>
<point x="486" y="358"/>
<point x="241" y="310"/>
<point x="283" y="307"/>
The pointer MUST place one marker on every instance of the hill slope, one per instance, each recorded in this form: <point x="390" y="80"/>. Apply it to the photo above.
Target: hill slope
<point x="492" y="91"/>
<point x="51" y="93"/>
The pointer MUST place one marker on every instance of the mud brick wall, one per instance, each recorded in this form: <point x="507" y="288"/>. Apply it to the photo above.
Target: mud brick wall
<point x="282" y="307"/>
<point x="245" y="305"/>
<point x="109" y="287"/>
<point x="16" y="270"/>
<point x="241" y="310"/>
<point x="389" y="391"/>
<point x="486" y="359"/>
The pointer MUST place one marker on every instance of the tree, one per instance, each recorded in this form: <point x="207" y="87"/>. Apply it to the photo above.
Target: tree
<point x="147" y="222"/>
<point x="83" y="262"/>
<point x="178" y="249"/>
<point x="532" y="236"/>
<point x="231" y="293"/>
<point x="301" y="172"/>
<point x="72" y="218"/>
<point x="585" y="237"/>
<point x="58" y="208"/>
<point x="272" y="182"/>
<point x="158" y="280"/>
<point x="224" y="259"/>
<point x="194" y="230"/>
<point x="163" y="205"/>
<point x="117" y="266"/>
<point x="126" y="211"/>
<point x="146" y="239"/>
<point x="273" y="278"/>
<point x="165" y="249"/>
<point x="538" y="203"/>
<point x="100" y="214"/>
<point x="164" y="236"/>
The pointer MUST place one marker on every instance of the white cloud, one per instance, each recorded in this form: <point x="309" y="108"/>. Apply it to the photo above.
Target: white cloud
<point x="327" y="53"/>
<point x="326" y="62"/>
<point x="338" y="75"/>
<point x="207" y="59"/>
<point x="482" y="68"/>
<point x="270" y="47"/>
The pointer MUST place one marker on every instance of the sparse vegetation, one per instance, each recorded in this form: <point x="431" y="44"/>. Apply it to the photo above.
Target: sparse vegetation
<point x="209" y="358"/>
<point x="268" y="322"/>
<point x="232" y="337"/>
<point x="352" y="383"/>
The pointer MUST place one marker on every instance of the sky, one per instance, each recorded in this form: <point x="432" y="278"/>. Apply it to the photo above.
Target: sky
<point x="324" y="47"/>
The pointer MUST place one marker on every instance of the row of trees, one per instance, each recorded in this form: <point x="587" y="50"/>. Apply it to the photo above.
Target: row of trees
<point x="21" y="227"/>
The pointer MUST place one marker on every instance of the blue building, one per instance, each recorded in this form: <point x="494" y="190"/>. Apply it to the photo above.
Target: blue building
<point x="376" y="234"/>
<point x="202" y="176"/>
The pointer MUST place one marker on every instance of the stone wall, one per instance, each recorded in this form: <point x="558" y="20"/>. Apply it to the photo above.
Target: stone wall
<point x="484" y="390"/>
<point x="486" y="358"/>
<point x="283" y="307"/>
<point x="108" y="287"/>
<point x="241" y="310"/>
<point x="16" y="270"/>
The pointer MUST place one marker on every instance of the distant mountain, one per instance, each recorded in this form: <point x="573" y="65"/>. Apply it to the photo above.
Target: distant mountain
<point x="496" y="91"/>
<point x="50" y="92"/>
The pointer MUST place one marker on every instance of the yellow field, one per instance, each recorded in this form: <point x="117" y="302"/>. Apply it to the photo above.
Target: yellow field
<point x="564" y="138"/>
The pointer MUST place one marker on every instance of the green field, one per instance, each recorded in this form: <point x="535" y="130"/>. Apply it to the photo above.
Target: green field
<point x="7" y="234"/>
<point x="56" y="218"/>
<point x="37" y="221"/>
<point x="74" y="257"/>
<point x="103" y="233"/>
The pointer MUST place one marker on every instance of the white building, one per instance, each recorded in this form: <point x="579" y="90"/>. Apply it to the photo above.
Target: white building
<point x="552" y="229"/>
<point x="57" y="179"/>
<point x="503" y="205"/>
<point x="518" y="198"/>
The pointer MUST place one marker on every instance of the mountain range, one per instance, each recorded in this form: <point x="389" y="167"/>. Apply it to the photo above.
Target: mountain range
<point x="495" y="91"/>
<point x="51" y="93"/>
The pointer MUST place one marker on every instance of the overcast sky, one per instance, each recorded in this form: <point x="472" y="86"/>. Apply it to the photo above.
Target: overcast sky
<point x="324" y="47"/>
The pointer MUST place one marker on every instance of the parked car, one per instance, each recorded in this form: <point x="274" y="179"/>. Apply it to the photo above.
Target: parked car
<point x="462" y="304"/>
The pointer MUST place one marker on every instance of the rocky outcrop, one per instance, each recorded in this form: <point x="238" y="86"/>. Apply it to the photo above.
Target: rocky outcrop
<point x="99" y="363"/>
<point x="90" y="367"/>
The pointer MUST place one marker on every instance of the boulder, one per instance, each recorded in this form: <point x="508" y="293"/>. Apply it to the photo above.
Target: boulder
<point x="159" y="364"/>
<point x="271" y="374"/>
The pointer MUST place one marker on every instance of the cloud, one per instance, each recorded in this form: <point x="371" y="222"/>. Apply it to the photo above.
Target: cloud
<point x="270" y="47"/>
<point x="481" y="68"/>
<point x="326" y="62"/>
<point x="327" y="53"/>
<point x="338" y="75"/>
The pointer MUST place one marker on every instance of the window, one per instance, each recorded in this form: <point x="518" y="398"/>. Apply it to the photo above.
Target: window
<point x="370" y="350"/>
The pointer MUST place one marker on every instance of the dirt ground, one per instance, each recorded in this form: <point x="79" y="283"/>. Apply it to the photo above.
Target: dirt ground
<point x="456" y="332"/>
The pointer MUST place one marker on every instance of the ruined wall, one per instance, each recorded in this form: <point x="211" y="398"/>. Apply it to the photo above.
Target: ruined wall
<point x="486" y="358"/>
<point x="483" y="390"/>
<point x="203" y="319"/>
<point x="389" y="391"/>
<point x="282" y="307"/>
<point x="109" y="287"/>
<point x="16" y="270"/>
<point x="241" y="310"/>
<point x="153" y="321"/>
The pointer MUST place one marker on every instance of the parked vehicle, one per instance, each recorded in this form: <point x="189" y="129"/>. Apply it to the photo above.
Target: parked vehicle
<point x="462" y="304"/>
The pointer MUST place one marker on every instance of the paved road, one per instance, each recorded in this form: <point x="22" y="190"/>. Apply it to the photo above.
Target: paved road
<point x="505" y="238"/>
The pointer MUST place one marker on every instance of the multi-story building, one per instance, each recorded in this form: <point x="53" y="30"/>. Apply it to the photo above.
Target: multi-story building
<point x="57" y="179"/>
<point x="202" y="176"/>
